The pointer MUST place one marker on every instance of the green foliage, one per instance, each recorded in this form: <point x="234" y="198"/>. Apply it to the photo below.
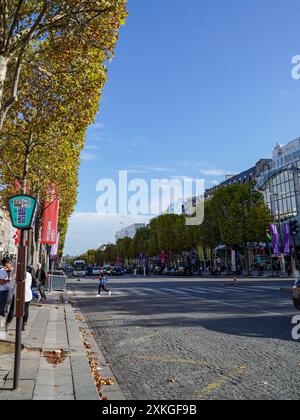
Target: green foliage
<point x="62" y="47"/>
<point x="235" y="216"/>
<point x="238" y="215"/>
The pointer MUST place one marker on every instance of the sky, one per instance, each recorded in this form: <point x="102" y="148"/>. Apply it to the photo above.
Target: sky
<point x="199" y="89"/>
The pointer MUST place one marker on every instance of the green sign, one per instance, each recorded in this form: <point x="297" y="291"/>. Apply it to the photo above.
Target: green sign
<point x="23" y="211"/>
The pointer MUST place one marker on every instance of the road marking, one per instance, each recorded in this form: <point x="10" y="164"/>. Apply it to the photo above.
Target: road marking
<point x="197" y="291"/>
<point x="272" y="313"/>
<point x="176" y="291"/>
<point x="267" y="288"/>
<point x="135" y="292"/>
<point x="157" y="291"/>
<point x="204" y="290"/>
<point x="216" y="290"/>
<point x="228" y="304"/>
<point x="216" y="385"/>
<point x="147" y="292"/>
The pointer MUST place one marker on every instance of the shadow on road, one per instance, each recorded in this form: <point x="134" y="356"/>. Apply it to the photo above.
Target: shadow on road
<point x="248" y="321"/>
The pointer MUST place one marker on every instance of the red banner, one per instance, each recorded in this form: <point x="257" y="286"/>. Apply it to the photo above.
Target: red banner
<point x="50" y="220"/>
<point x="17" y="237"/>
<point x="162" y="257"/>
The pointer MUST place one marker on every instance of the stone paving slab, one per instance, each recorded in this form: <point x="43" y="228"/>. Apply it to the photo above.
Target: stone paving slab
<point x="51" y="326"/>
<point x="28" y="371"/>
<point x="24" y="392"/>
<point x="37" y="330"/>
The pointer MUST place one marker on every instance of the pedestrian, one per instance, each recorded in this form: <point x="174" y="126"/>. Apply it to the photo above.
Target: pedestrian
<point x="41" y="280"/>
<point x="289" y="270"/>
<point x="28" y="299"/>
<point x="5" y="270"/>
<point x="102" y="284"/>
<point x="35" y="295"/>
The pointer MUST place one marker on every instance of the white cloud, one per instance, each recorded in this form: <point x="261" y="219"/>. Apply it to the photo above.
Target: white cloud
<point x="92" y="147"/>
<point x="88" y="157"/>
<point x="91" y="230"/>
<point x="213" y="172"/>
<point x="96" y="136"/>
<point x="141" y="169"/>
<point x="98" y="126"/>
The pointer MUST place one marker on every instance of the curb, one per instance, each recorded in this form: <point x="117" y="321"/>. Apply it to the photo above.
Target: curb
<point x="111" y="392"/>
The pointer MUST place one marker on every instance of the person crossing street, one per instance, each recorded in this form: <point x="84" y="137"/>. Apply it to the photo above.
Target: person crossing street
<point x="102" y="284"/>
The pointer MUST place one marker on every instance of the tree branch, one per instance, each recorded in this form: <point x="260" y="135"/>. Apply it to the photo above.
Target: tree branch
<point x="8" y="165"/>
<point x="14" y="24"/>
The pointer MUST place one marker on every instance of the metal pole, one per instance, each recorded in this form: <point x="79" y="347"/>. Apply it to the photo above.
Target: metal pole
<point x="20" y="307"/>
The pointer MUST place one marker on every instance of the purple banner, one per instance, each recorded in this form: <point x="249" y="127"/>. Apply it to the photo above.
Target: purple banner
<point x="287" y="238"/>
<point x="275" y="239"/>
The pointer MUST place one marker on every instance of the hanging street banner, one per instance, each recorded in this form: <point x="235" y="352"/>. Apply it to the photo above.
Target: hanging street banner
<point x="275" y="239"/>
<point x="54" y="248"/>
<point x="23" y="210"/>
<point x="287" y="238"/>
<point x="50" y="219"/>
<point x="233" y="261"/>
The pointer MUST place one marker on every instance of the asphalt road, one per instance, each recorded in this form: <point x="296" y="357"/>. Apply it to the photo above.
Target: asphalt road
<point x="186" y="339"/>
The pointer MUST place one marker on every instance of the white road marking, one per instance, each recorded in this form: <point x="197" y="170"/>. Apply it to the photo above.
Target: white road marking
<point x="176" y="291"/>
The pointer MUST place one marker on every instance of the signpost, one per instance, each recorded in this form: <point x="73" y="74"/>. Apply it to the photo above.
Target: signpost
<point x="23" y="211"/>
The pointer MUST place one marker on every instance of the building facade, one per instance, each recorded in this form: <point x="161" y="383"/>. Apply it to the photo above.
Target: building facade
<point x="7" y="233"/>
<point x="129" y="231"/>
<point x="252" y="174"/>
<point x="280" y="182"/>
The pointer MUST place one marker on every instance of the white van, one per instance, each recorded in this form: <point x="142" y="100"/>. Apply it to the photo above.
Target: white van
<point x="79" y="268"/>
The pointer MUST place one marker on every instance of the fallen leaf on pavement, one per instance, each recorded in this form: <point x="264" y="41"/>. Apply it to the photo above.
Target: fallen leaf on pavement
<point x="55" y="357"/>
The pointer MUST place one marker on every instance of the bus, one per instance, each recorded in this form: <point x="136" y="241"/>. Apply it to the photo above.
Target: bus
<point x="79" y="268"/>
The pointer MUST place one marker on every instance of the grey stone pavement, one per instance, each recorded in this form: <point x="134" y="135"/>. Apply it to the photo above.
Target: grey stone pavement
<point x="53" y="326"/>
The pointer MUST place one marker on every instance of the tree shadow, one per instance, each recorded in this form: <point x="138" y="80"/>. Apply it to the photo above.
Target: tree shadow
<point x="182" y="312"/>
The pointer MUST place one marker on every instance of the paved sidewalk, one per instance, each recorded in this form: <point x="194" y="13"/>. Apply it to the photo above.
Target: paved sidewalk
<point x="51" y="327"/>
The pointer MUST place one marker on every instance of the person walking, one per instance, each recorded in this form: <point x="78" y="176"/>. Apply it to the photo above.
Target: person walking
<point x="40" y="281"/>
<point x="102" y="284"/>
<point x="28" y="299"/>
<point x="35" y="295"/>
<point x="5" y="271"/>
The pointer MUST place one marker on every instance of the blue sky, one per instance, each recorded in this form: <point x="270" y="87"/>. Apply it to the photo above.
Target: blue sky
<point x="199" y="88"/>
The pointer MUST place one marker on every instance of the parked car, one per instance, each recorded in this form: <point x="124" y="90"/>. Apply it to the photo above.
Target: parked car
<point x="296" y="294"/>
<point x="89" y="270"/>
<point x="95" y="271"/>
<point x="118" y="271"/>
<point x="158" y="270"/>
<point x="184" y="271"/>
<point x="106" y="270"/>
<point x="127" y="270"/>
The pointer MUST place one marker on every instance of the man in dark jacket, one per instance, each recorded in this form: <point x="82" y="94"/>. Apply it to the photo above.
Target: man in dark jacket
<point x="41" y="280"/>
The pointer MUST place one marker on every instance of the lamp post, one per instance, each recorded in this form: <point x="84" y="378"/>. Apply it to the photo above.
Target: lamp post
<point x="23" y="211"/>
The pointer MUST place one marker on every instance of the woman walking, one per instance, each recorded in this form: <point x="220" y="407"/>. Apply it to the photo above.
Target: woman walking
<point x="102" y="284"/>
